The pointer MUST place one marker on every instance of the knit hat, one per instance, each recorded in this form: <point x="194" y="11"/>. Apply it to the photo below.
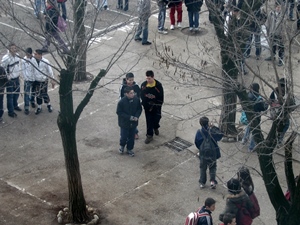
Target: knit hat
<point x="234" y="186"/>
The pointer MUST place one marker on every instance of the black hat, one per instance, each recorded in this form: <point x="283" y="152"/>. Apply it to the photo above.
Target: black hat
<point x="28" y="50"/>
<point x="234" y="186"/>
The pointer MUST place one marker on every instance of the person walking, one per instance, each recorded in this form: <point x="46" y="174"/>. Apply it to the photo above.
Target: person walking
<point x="43" y="73"/>
<point x="206" y="141"/>
<point x="121" y="5"/>
<point x="29" y="79"/>
<point x="11" y="63"/>
<point x="62" y="5"/>
<point x="162" y="8"/>
<point x="152" y="95"/>
<point x="193" y="8"/>
<point x="175" y="6"/>
<point x="274" y="27"/>
<point x="51" y="16"/>
<point x="3" y="80"/>
<point x="144" y="11"/>
<point x="129" y="110"/>
<point x="39" y="6"/>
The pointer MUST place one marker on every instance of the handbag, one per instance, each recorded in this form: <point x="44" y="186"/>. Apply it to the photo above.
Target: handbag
<point x="61" y="24"/>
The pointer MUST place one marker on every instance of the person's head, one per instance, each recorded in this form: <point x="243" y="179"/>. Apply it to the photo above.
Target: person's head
<point x="229" y="219"/>
<point x="129" y="79"/>
<point x="28" y="52"/>
<point x="277" y="6"/>
<point x="38" y="54"/>
<point x="12" y="48"/>
<point x="244" y="177"/>
<point x="210" y="204"/>
<point x="255" y="87"/>
<point x="129" y="92"/>
<point x="234" y="186"/>
<point x="149" y="76"/>
<point x="204" y="121"/>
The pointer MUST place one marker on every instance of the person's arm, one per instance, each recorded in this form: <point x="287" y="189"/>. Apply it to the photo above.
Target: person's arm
<point x="121" y="112"/>
<point x="198" y="139"/>
<point x="216" y="133"/>
<point x="139" y="108"/>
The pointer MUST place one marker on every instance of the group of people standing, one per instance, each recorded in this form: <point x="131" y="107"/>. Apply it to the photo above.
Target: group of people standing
<point x="151" y="96"/>
<point x="36" y="72"/>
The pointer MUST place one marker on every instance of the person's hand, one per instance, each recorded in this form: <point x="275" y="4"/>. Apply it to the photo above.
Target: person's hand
<point x="52" y="83"/>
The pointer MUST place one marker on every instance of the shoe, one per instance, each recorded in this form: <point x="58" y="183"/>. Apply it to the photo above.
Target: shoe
<point x="138" y="39"/>
<point x="156" y="131"/>
<point x="172" y="27"/>
<point x="213" y="185"/>
<point x="26" y="112"/>
<point x="257" y="57"/>
<point x="49" y="108"/>
<point x="38" y="111"/>
<point x="147" y="43"/>
<point x="136" y="136"/>
<point x="13" y="115"/>
<point x="162" y="32"/>
<point x="105" y="7"/>
<point x="32" y="105"/>
<point x="165" y="29"/>
<point x="130" y="153"/>
<point x="201" y="186"/>
<point x="191" y="29"/>
<point x="280" y="62"/>
<point x="269" y="58"/>
<point x="121" y="149"/>
<point x="119" y="7"/>
<point x="244" y="141"/>
<point x="18" y="109"/>
<point x="292" y="19"/>
<point x="179" y="24"/>
<point x="196" y="29"/>
<point x="148" y="139"/>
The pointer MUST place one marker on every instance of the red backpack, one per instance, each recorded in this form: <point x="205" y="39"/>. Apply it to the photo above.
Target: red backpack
<point x="193" y="217"/>
<point x="243" y="216"/>
<point x="255" y="210"/>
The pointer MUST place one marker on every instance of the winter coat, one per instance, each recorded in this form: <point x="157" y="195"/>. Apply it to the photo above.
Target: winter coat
<point x="232" y="201"/>
<point x="172" y="3"/>
<point x="259" y="105"/>
<point x="42" y="70"/>
<point x="126" y="109"/>
<point x="152" y="96"/>
<point x="135" y="87"/>
<point x="215" y="135"/>
<point x="144" y="9"/>
<point x="193" y="5"/>
<point x="11" y="64"/>
<point x="205" y="220"/>
<point x="28" y="69"/>
<point x="51" y="19"/>
<point x="274" y="24"/>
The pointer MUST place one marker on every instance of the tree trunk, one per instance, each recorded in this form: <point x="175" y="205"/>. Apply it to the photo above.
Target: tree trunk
<point x="67" y="125"/>
<point x="80" y="46"/>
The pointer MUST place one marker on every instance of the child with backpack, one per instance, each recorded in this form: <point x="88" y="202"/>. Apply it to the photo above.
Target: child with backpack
<point x="237" y="203"/>
<point x="206" y="141"/>
<point x="203" y="215"/>
<point x="229" y="219"/>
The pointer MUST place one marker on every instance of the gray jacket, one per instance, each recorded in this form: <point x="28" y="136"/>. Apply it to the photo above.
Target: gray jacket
<point x="144" y="9"/>
<point x="274" y="24"/>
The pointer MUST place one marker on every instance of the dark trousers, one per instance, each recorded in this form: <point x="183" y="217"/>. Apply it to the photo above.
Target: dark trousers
<point x="298" y="16"/>
<point x="120" y="5"/>
<point x="211" y="165"/>
<point x="13" y="92"/>
<point x="127" y="137"/>
<point x="41" y="89"/>
<point x="153" y="117"/>
<point x="277" y="43"/>
<point x="1" y="100"/>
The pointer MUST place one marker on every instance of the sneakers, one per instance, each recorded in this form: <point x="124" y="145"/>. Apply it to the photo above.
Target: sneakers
<point x="172" y="27"/>
<point x="257" y="57"/>
<point x="136" y="136"/>
<point x="162" y="32"/>
<point x="213" y="185"/>
<point x="280" y="62"/>
<point x="38" y="111"/>
<point x="121" y="149"/>
<point x="156" y="131"/>
<point x="269" y="58"/>
<point x="13" y="115"/>
<point x="130" y="153"/>
<point x="148" y="139"/>
<point x="146" y="43"/>
<point x="201" y="186"/>
<point x="49" y="108"/>
<point x="138" y="39"/>
<point x="26" y="112"/>
<point x="179" y="24"/>
<point x="18" y="109"/>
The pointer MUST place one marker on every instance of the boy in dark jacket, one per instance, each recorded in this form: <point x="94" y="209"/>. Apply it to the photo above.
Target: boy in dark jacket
<point x="193" y="8"/>
<point x="129" y="110"/>
<point x="208" y="161"/>
<point x="152" y="95"/>
<point x="206" y="210"/>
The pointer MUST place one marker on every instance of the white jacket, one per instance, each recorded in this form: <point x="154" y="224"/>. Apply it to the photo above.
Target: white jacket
<point x="42" y="70"/>
<point x="11" y="64"/>
<point x="28" y="69"/>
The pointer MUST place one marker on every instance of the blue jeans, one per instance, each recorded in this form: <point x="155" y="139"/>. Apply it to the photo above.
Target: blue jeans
<point x="246" y="134"/>
<point x="29" y="93"/>
<point x="142" y="27"/>
<point x="101" y="5"/>
<point x="63" y="9"/>
<point x="193" y="19"/>
<point x="127" y="137"/>
<point x="161" y="16"/>
<point x="39" y="5"/>
<point x="211" y="165"/>
<point x="13" y="92"/>
<point x="291" y="8"/>
<point x="256" y="33"/>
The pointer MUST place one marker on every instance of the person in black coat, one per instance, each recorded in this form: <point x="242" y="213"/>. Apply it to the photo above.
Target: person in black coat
<point x="51" y="30"/>
<point x="193" y="8"/>
<point x="152" y="95"/>
<point x="129" y="110"/>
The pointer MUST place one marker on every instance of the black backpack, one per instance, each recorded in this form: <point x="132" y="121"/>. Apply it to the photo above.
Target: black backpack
<point x="207" y="148"/>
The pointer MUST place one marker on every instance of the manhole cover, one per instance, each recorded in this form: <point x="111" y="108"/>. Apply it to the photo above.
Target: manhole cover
<point x="186" y="31"/>
<point x="178" y="144"/>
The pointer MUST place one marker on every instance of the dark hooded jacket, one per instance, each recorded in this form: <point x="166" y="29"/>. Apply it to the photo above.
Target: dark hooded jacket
<point x="193" y="5"/>
<point x="135" y="87"/>
<point x="152" y="96"/>
<point x="51" y="19"/>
